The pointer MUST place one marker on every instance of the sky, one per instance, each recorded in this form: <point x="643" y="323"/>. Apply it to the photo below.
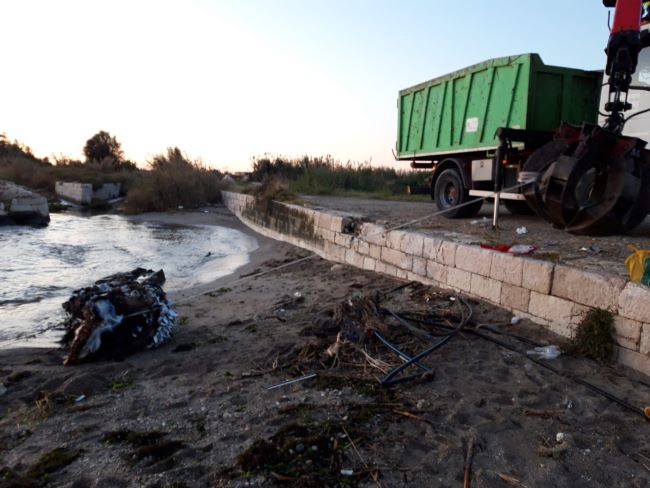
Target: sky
<point x="227" y="80"/>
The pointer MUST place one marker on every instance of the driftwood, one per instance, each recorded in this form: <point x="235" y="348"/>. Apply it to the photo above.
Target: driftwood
<point x="117" y="316"/>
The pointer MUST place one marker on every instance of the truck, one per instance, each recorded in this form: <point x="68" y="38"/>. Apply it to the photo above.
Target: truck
<point x="541" y="139"/>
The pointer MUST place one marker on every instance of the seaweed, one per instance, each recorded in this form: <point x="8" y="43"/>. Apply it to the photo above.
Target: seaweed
<point x="52" y="461"/>
<point x="18" y="377"/>
<point x="156" y="452"/>
<point x="301" y="455"/>
<point x="593" y="338"/>
<point x="148" y="444"/>
<point x="133" y="438"/>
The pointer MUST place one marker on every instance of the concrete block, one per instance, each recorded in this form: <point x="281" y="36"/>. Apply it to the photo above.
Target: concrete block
<point x="514" y="297"/>
<point x="327" y="234"/>
<point x="380" y="267"/>
<point x="431" y="247"/>
<point x="634" y="360"/>
<point x="402" y="274"/>
<point x="373" y="234"/>
<point x="353" y="258"/>
<point x="336" y="223"/>
<point x="474" y="259"/>
<point x="459" y="279"/>
<point x="369" y="264"/>
<point x="420" y="266"/>
<point x="437" y="272"/>
<point x="344" y="240"/>
<point x="394" y="239"/>
<point x="411" y="276"/>
<point x="325" y="221"/>
<point x="317" y="219"/>
<point x="587" y="288"/>
<point x="578" y="312"/>
<point x="627" y="332"/>
<point x="634" y="302"/>
<point x="486" y="288"/>
<point x="334" y="252"/>
<point x="412" y="243"/>
<point x="564" y="329"/>
<point x="537" y="275"/>
<point x="507" y="268"/>
<point x="556" y="310"/>
<point x="644" y="343"/>
<point x="447" y="253"/>
<point x="363" y="247"/>
<point x="397" y="258"/>
<point x="375" y="251"/>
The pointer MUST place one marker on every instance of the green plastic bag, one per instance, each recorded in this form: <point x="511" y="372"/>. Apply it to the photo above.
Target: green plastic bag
<point x="638" y="265"/>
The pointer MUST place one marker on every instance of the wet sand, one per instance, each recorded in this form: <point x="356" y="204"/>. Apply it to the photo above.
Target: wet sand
<point x="197" y="411"/>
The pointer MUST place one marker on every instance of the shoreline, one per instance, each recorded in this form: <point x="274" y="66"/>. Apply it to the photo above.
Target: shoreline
<point x="195" y="411"/>
<point x="217" y="215"/>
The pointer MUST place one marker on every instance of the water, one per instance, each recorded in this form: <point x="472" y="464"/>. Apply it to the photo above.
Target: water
<point x="39" y="267"/>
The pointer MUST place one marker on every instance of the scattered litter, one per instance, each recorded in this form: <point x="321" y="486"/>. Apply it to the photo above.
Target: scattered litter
<point x="515" y="320"/>
<point x="422" y="404"/>
<point x="80" y="398"/>
<point x="591" y="249"/>
<point x="347" y="472"/>
<point x="297" y="295"/>
<point x="484" y="222"/>
<point x="568" y="404"/>
<point x="638" y="265"/>
<point x="521" y="249"/>
<point x="545" y="352"/>
<point x="496" y="247"/>
<point x="516" y="249"/>
<point x="522" y="230"/>
<point x="560" y="437"/>
<point x="291" y="382"/>
<point x="336" y="267"/>
<point x="117" y="316"/>
<point x="550" y="243"/>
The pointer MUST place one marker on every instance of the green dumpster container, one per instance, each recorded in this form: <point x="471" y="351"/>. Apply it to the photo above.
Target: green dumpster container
<point x="460" y="112"/>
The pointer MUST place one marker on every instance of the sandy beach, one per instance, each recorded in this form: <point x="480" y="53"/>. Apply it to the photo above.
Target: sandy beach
<point x="197" y="412"/>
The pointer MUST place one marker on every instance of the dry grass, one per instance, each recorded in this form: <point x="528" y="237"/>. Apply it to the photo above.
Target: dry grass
<point x="173" y="181"/>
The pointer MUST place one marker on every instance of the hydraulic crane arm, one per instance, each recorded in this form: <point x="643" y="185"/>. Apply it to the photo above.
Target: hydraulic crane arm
<point x="625" y="42"/>
<point x="590" y="179"/>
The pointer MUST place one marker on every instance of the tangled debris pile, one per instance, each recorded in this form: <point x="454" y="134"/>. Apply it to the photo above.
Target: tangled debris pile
<point x="117" y="316"/>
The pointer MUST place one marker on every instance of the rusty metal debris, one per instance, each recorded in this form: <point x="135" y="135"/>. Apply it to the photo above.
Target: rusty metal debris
<point x="117" y="316"/>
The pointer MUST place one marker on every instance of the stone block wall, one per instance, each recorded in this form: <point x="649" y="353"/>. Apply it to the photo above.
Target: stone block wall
<point x="553" y="295"/>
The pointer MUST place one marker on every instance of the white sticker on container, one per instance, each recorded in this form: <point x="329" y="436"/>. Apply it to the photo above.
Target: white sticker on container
<point x="471" y="124"/>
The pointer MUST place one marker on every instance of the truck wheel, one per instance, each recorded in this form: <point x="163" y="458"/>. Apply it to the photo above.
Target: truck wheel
<point x="518" y="207"/>
<point x="449" y="192"/>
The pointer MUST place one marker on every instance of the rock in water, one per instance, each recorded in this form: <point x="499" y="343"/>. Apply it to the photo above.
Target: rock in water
<point x="117" y="316"/>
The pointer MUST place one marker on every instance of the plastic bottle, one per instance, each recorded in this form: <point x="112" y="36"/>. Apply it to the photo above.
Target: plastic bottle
<point x="545" y="352"/>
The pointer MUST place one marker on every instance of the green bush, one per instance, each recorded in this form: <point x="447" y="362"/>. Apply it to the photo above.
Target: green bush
<point x="593" y="338"/>
<point x="173" y="180"/>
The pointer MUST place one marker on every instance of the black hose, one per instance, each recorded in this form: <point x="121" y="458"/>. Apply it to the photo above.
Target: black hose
<point x="402" y="354"/>
<point x="388" y="379"/>
<point x="580" y="381"/>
